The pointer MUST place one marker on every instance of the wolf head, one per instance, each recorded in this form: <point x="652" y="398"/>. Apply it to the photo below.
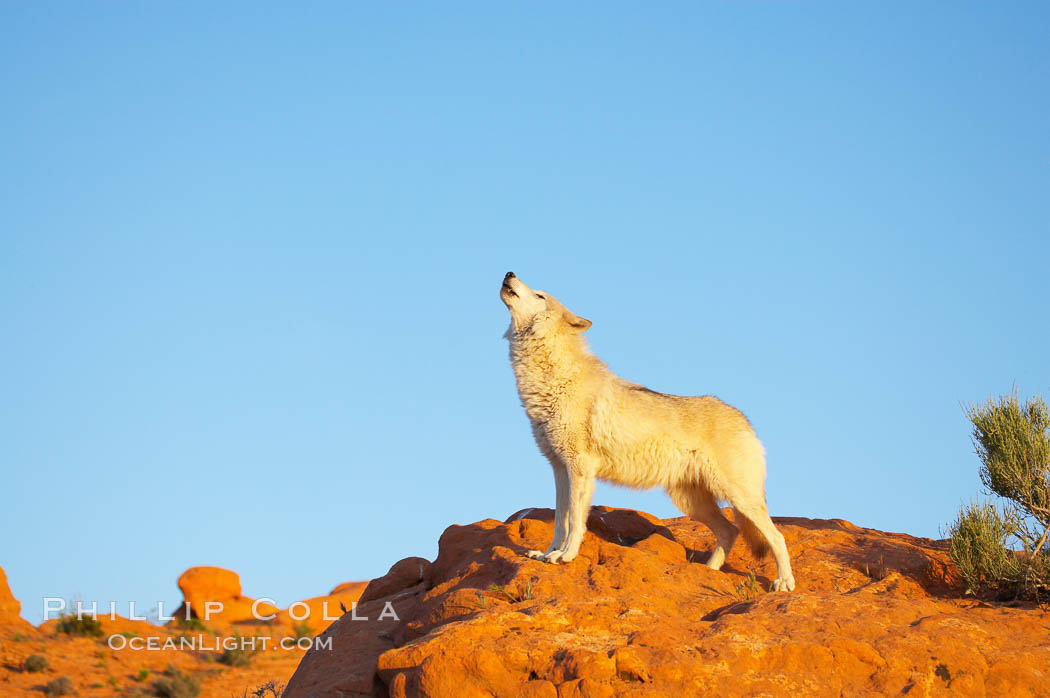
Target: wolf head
<point x="537" y="312"/>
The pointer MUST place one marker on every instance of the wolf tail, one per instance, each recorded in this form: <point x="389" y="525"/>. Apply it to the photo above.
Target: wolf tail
<point x="755" y="540"/>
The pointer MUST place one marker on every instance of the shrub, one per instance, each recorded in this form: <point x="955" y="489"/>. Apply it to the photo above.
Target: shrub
<point x="271" y="687"/>
<point x="191" y="623"/>
<point x="176" y="684"/>
<point x="1002" y="548"/>
<point x="85" y="626"/>
<point x="240" y="656"/>
<point x="513" y="597"/>
<point x="35" y="663"/>
<point x="303" y="630"/>
<point x="62" y="686"/>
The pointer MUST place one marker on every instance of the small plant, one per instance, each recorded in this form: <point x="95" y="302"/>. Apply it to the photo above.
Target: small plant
<point x="512" y="596"/>
<point x="1002" y="548"/>
<point x="192" y="623"/>
<point x="18" y="637"/>
<point x="749" y="588"/>
<point x="303" y="630"/>
<point x="176" y="684"/>
<point x="142" y="675"/>
<point x="35" y="663"/>
<point x="85" y="626"/>
<point x="62" y="686"/>
<point x="271" y="687"/>
<point x="239" y="656"/>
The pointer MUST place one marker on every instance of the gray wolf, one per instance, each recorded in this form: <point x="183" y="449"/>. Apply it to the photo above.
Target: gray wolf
<point x="591" y="424"/>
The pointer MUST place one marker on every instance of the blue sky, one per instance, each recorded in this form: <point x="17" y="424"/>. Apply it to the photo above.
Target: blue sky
<point x="250" y="253"/>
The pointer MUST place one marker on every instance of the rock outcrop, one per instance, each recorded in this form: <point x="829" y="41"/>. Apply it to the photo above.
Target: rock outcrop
<point x="201" y="586"/>
<point x="638" y="614"/>
<point x="319" y="612"/>
<point x="11" y="609"/>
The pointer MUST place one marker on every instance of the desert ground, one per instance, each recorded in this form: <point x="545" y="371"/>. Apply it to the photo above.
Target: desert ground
<point x="637" y="614"/>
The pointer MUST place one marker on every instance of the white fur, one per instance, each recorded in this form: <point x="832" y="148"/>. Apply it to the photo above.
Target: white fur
<point x="592" y="424"/>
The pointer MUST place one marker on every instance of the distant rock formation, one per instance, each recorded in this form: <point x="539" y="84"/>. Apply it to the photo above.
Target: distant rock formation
<point x="121" y="656"/>
<point x="204" y="587"/>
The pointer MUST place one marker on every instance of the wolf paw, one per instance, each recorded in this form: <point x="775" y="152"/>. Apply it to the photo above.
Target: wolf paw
<point x="553" y="556"/>
<point x="784" y="584"/>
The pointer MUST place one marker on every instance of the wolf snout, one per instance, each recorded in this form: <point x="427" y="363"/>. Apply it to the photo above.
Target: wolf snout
<point x="509" y="276"/>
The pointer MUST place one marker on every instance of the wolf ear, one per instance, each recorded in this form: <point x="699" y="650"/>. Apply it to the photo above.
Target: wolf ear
<point x="576" y="323"/>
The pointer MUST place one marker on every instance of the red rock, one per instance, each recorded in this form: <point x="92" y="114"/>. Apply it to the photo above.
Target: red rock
<point x="351" y="588"/>
<point x="638" y="614"/>
<point x="404" y="574"/>
<point x="322" y="611"/>
<point x="584" y="688"/>
<point x="114" y="663"/>
<point x="200" y="585"/>
<point x="11" y="609"/>
<point x="538" y="688"/>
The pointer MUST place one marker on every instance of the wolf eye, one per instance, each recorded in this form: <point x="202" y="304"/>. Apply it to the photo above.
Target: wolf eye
<point x="540" y="295"/>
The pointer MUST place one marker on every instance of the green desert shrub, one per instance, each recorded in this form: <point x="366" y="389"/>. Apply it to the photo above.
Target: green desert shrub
<point x="1002" y="547"/>
<point x="303" y="630"/>
<point x="85" y="626"/>
<point x="62" y="686"/>
<point x="238" y="656"/>
<point x="191" y="623"/>
<point x="176" y="684"/>
<point x="35" y="663"/>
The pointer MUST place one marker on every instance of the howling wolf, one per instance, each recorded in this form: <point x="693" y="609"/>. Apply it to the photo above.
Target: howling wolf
<point x="590" y="423"/>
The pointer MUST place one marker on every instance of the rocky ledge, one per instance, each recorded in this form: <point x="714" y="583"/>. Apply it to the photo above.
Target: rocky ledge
<point x="638" y="614"/>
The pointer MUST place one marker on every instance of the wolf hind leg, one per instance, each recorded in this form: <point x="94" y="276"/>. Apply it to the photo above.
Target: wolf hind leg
<point x="697" y="502"/>
<point x="756" y="521"/>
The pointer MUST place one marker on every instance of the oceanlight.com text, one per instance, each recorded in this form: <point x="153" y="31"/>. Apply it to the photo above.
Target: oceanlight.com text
<point x="202" y="643"/>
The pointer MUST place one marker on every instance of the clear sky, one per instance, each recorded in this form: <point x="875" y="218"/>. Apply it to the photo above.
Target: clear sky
<point x="250" y="254"/>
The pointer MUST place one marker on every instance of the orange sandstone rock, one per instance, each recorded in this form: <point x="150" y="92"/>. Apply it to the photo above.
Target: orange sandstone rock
<point x="638" y="614"/>
<point x="131" y="654"/>
<point x="203" y="585"/>
<point x="321" y="611"/>
<point x="11" y="609"/>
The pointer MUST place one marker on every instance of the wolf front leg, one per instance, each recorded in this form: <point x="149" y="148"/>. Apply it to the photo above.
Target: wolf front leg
<point x="581" y="491"/>
<point x="581" y="477"/>
<point x="561" y="509"/>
